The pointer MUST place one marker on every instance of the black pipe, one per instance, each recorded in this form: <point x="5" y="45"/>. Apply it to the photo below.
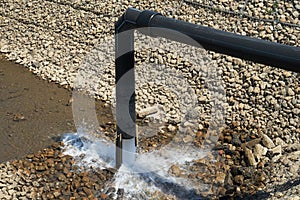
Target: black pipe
<point x="125" y="89"/>
<point x="265" y="52"/>
<point x="253" y="49"/>
<point x="257" y="50"/>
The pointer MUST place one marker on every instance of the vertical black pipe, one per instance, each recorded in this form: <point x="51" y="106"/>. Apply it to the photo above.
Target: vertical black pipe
<point x="125" y="86"/>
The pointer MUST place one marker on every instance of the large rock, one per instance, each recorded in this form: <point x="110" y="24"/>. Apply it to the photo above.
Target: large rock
<point x="267" y="142"/>
<point x="259" y="151"/>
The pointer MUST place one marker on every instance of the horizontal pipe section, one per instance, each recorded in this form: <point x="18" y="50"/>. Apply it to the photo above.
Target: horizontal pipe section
<point x="257" y="50"/>
<point x="253" y="49"/>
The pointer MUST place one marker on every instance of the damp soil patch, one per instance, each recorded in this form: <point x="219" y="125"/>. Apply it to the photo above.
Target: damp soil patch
<point x="34" y="112"/>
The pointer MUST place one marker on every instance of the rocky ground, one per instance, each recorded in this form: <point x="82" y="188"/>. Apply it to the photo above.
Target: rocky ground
<point x="258" y="152"/>
<point x="49" y="174"/>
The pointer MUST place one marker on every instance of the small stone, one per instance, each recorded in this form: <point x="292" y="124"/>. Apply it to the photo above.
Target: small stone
<point x="35" y="64"/>
<point x="200" y="127"/>
<point x="18" y="117"/>
<point x="294" y="168"/>
<point x="295" y="14"/>
<point x="228" y="179"/>
<point x="252" y="143"/>
<point x="250" y="157"/>
<point x="171" y="128"/>
<point x="87" y="191"/>
<point x="56" y="194"/>
<point x="220" y="177"/>
<point x="40" y="168"/>
<point x="276" y="150"/>
<point x="239" y="179"/>
<point x="256" y="90"/>
<point x="187" y="139"/>
<point x="267" y="141"/>
<point x="175" y="170"/>
<point x="35" y="184"/>
<point x="30" y="156"/>
<point x="286" y="73"/>
<point x="276" y="158"/>
<point x="228" y="139"/>
<point x="103" y="196"/>
<point x="76" y="184"/>
<point x="147" y="111"/>
<point x="61" y="177"/>
<point x="279" y="141"/>
<point x="290" y="92"/>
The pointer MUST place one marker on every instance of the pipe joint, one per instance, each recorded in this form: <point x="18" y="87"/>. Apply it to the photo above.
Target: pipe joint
<point x="144" y="19"/>
<point x="133" y="18"/>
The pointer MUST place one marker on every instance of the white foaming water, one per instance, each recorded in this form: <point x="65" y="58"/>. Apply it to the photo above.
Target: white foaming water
<point x="143" y="175"/>
<point x="89" y="151"/>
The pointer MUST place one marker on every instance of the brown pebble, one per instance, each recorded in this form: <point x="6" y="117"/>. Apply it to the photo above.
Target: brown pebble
<point x="55" y="145"/>
<point x="227" y="138"/>
<point x="85" y="179"/>
<point x="56" y="193"/>
<point x="50" y="196"/>
<point x="59" y="166"/>
<point x="18" y="117"/>
<point x="40" y="168"/>
<point x="87" y="191"/>
<point x="239" y="179"/>
<point x="30" y="156"/>
<point x="175" y="170"/>
<point x="61" y="177"/>
<point x="103" y="196"/>
<point x="221" y="152"/>
<point x="76" y="184"/>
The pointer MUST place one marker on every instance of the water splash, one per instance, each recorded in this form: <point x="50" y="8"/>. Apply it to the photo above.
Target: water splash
<point x="147" y="176"/>
<point x="89" y="151"/>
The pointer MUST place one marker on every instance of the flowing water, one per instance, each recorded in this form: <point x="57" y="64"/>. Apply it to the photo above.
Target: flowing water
<point x="145" y="176"/>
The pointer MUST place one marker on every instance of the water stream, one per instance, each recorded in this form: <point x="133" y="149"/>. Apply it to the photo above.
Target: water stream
<point x="142" y="175"/>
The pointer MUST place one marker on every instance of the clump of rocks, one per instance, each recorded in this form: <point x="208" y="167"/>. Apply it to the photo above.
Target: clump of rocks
<point x="253" y="160"/>
<point x="49" y="174"/>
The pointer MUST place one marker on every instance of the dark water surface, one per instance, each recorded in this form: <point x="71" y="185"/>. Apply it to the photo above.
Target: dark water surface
<point x="34" y="113"/>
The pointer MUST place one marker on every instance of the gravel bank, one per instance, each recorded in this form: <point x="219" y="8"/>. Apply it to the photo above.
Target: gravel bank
<point x="52" y="38"/>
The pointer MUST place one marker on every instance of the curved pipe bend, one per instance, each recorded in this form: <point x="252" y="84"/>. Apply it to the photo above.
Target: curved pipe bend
<point x="244" y="47"/>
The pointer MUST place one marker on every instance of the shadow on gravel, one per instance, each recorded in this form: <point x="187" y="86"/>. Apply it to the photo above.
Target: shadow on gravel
<point x="181" y="192"/>
<point x="277" y="188"/>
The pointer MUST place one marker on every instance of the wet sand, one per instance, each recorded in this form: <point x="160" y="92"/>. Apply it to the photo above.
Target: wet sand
<point x="34" y="113"/>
